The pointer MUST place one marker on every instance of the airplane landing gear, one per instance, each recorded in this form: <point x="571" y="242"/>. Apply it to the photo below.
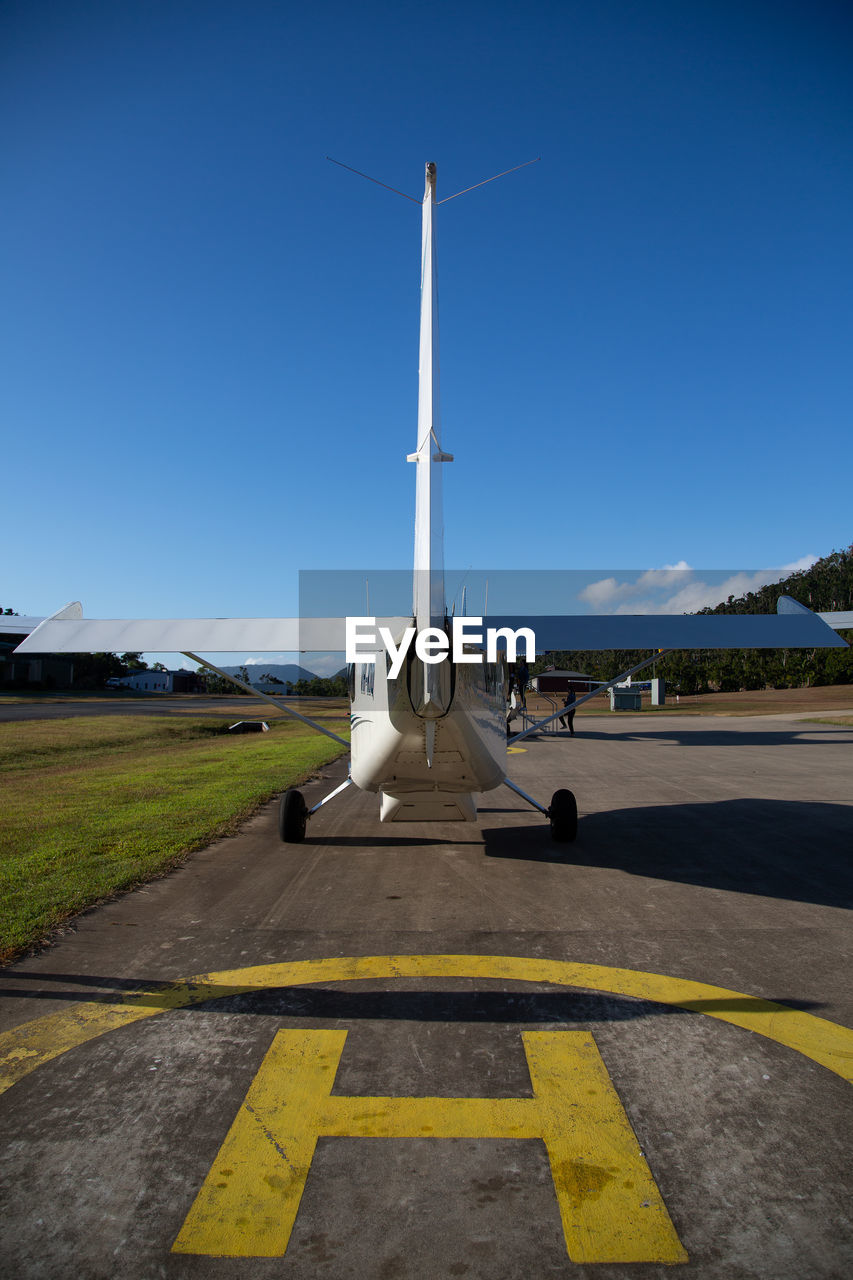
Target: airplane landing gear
<point x="563" y="815"/>
<point x="293" y="812"/>
<point x="292" y="817"/>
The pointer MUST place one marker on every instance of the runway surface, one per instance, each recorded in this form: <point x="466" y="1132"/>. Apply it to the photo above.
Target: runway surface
<point x="635" y="1050"/>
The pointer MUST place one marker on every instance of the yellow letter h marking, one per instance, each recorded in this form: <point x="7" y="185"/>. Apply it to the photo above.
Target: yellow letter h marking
<point x="609" y="1203"/>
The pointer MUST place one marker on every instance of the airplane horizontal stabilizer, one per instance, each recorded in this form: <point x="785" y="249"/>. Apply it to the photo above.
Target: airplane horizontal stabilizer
<point x="18" y="625"/>
<point x="842" y="621"/>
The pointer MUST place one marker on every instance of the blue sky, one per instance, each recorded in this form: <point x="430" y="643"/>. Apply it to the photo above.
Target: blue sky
<point x="209" y="334"/>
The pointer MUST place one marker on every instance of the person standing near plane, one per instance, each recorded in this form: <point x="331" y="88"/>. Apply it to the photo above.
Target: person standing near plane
<point x="522" y="673"/>
<point x="568" y="720"/>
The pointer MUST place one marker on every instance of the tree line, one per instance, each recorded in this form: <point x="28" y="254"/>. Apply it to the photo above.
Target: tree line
<point x="827" y="587"/>
<point x="319" y="687"/>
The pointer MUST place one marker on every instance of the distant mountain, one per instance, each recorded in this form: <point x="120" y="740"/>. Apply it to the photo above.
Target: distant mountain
<point x="287" y="671"/>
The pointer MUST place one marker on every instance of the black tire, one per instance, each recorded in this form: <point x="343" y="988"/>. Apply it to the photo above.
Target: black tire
<point x="563" y="814"/>
<point x="292" y="817"/>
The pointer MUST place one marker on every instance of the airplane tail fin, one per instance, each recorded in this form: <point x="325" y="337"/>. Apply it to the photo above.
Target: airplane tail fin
<point x="429" y="606"/>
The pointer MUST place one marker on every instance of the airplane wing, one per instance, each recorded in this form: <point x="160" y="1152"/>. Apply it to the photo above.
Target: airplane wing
<point x="67" y="631"/>
<point x="792" y="627"/>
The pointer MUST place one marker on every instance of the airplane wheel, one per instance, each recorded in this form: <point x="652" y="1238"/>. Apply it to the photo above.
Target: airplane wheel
<point x="563" y="814"/>
<point x="292" y="817"/>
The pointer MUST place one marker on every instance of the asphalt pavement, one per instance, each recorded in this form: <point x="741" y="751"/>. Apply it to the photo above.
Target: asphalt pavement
<point x="463" y="1050"/>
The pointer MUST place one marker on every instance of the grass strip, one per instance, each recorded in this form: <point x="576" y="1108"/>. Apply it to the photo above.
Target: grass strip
<point x="94" y="806"/>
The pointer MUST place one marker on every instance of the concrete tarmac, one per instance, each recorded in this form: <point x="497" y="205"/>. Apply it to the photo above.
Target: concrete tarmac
<point x="180" y="1129"/>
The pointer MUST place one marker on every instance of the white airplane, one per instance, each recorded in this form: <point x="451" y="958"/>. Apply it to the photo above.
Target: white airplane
<point x="428" y="733"/>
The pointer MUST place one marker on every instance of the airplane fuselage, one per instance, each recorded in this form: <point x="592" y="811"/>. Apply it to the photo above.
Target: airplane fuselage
<point x="427" y="759"/>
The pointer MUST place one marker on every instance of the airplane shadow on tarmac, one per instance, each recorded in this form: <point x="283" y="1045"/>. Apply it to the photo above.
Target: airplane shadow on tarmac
<point x="792" y="849"/>
<point x="805" y="734"/>
<point x="327" y="1003"/>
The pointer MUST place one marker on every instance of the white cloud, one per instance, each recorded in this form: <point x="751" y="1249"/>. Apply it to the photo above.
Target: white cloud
<point x="667" y="575"/>
<point x="652" y="591"/>
<point x="606" y="592"/>
<point x="804" y="562"/>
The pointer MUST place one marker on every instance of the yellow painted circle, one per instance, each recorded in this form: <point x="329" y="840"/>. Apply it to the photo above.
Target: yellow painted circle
<point x="515" y="751"/>
<point x="29" y="1046"/>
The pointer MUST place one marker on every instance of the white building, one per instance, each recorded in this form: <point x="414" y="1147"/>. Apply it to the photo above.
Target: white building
<point x="145" y="682"/>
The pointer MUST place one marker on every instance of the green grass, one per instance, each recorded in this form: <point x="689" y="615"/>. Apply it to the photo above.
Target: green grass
<point x="93" y="806"/>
